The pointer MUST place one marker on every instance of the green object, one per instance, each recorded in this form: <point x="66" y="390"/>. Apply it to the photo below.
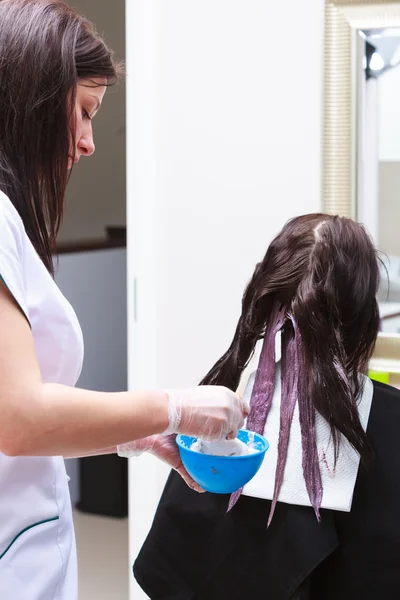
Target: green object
<point x="379" y="376"/>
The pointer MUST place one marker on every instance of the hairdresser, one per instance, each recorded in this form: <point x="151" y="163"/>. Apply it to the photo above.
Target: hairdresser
<point x="54" y="72"/>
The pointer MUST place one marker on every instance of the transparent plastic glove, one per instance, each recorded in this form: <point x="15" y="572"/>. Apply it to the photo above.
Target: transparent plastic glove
<point x="137" y="447"/>
<point x="164" y="448"/>
<point x="210" y="412"/>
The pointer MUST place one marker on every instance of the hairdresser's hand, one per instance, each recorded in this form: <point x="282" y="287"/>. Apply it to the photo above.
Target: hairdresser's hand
<point x="208" y="411"/>
<point x="164" y="448"/>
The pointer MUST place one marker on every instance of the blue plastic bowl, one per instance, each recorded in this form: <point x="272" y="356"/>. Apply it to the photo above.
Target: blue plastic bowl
<point x="222" y="474"/>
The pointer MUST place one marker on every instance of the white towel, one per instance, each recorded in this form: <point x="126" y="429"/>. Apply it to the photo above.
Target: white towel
<point x="338" y="484"/>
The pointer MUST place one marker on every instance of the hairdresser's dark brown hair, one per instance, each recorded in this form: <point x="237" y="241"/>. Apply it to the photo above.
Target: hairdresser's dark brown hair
<point x="45" y="48"/>
<point x="317" y="284"/>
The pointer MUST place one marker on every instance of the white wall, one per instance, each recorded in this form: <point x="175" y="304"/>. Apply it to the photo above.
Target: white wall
<point x="96" y="194"/>
<point x="224" y="145"/>
<point x="389" y="116"/>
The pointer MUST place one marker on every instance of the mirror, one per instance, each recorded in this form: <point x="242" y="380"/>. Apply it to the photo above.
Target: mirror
<point x="361" y="165"/>
<point x="378" y="198"/>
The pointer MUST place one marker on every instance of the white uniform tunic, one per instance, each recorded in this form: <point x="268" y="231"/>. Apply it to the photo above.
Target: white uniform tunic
<point x="37" y="542"/>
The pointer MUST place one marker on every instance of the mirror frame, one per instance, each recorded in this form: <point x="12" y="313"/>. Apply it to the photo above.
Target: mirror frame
<point x="340" y="164"/>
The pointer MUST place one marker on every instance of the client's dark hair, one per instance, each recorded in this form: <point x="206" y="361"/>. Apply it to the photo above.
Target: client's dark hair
<point x="317" y="284"/>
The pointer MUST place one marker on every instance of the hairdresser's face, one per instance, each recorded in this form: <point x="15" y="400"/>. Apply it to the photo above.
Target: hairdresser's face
<point x="89" y="96"/>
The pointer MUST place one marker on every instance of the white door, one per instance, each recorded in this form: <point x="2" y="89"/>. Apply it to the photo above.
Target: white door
<point x="224" y="145"/>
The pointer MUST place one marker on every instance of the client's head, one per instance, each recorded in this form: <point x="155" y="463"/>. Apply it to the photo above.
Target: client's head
<point x="324" y="271"/>
<point x="317" y="284"/>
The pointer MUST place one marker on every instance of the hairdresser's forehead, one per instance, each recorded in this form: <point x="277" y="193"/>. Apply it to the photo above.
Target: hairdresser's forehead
<point x="92" y="89"/>
<point x="93" y="83"/>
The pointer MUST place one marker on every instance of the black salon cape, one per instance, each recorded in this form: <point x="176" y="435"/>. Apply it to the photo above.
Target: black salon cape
<point x="197" y="551"/>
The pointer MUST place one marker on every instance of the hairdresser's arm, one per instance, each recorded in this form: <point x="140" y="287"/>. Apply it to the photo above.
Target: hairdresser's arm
<point x="98" y="452"/>
<point x="47" y="419"/>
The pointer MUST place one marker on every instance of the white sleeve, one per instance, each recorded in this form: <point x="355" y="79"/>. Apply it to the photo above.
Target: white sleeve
<point x="12" y="234"/>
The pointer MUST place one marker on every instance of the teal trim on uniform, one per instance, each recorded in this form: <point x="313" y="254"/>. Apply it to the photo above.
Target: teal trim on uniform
<point x="27" y="529"/>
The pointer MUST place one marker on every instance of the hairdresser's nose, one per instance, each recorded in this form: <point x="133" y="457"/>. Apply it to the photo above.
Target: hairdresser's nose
<point x="85" y="144"/>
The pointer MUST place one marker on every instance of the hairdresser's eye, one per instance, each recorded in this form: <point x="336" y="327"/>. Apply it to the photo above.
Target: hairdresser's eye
<point x="85" y="114"/>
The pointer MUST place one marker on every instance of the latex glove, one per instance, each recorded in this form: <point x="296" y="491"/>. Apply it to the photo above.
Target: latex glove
<point x="164" y="448"/>
<point x="210" y="412"/>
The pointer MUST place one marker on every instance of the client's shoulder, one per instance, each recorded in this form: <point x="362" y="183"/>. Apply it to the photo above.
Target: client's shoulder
<point x="386" y="403"/>
<point x="386" y="392"/>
